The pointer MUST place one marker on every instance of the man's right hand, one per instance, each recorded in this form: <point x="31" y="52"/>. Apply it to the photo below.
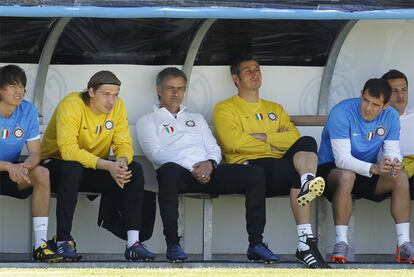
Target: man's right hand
<point x="118" y="170"/>
<point x="18" y="173"/>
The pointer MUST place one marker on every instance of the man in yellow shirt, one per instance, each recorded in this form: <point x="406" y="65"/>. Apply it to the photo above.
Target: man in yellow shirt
<point x="257" y="132"/>
<point x="76" y="148"/>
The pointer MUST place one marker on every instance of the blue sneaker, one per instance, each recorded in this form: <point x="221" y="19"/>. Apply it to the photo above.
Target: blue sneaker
<point x="176" y="254"/>
<point x="137" y="252"/>
<point x="260" y="252"/>
<point x="67" y="250"/>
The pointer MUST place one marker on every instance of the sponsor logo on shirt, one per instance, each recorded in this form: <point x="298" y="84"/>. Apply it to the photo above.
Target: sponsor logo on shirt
<point x="259" y="116"/>
<point x="190" y="123"/>
<point x="18" y="132"/>
<point x="272" y="116"/>
<point x="5" y="133"/>
<point x="169" y="130"/>
<point x="380" y="131"/>
<point x="109" y="125"/>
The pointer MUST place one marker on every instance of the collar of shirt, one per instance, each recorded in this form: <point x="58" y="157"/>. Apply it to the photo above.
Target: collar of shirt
<point x="158" y="108"/>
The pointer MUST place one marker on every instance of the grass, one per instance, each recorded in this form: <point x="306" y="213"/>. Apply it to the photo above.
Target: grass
<point x="203" y="272"/>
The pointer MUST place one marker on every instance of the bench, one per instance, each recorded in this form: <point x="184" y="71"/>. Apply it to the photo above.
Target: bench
<point x="207" y="199"/>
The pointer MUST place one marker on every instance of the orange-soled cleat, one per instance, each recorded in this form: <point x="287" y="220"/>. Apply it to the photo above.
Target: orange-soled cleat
<point x="405" y="253"/>
<point x="340" y="252"/>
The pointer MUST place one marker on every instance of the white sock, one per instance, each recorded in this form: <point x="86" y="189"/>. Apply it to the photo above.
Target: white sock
<point x="304" y="178"/>
<point x="403" y="232"/>
<point x="341" y="232"/>
<point x="133" y="237"/>
<point x="40" y="230"/>
<point x="304" y="231"/>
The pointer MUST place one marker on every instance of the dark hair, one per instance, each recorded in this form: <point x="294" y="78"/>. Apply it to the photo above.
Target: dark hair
<point x="394" y="74"/>
<point x="170" y="72"/>
<point x="12" y="75"/>
<point x="235" y="65"/>
<point x="98" y="79"/>
<point x="377" y="87"/>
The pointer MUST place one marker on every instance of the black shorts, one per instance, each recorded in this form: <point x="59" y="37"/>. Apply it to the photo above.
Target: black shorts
<point x="364" y="187"/>
<point x="9" y="188"/>
<point x="281" y="175"/>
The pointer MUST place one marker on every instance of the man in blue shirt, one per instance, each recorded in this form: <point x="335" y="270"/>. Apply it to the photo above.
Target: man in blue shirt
<point x="19" y="126"/>
<point x="356" y="130"/>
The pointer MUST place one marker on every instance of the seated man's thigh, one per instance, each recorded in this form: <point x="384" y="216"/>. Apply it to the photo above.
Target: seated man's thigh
<point x="10" y="188"/>
<point x="235" y="178"/>
<point x="97" y="180"/>
<point x="280" y="174"/>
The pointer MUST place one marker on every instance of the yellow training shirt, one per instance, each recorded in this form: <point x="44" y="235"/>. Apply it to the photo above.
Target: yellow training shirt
<point x="234" y="121"/>
<point x="75" y="133"/>
<point x="408" y="162"/>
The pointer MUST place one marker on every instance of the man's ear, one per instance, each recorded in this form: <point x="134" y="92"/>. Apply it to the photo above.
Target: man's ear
<point x="159" y="91"/>
<point x="91" y="92"/>
<point x="235" y="79"/>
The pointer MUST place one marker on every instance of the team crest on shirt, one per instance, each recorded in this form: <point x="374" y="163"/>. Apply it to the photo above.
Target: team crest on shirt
<point x="190" y="123"/>
<point x="109" y="125"/>
<point x="370" y="135"/>
<point x="380" y="131"/>
<point x="18" y="132"/>
<point x="259" y="116"/>
<point x="5" y="133"/>
<point x="272" y="116"/>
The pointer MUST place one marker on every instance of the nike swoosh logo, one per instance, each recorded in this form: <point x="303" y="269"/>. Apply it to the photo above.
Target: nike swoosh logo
<point x="355" y="134"/>
<point x="85" y="128"/>
<point x="165" y="125"/>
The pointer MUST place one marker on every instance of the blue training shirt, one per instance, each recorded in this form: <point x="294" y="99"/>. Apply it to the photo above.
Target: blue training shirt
<point x="367" y="138"/>
<point x="15" y="131"/>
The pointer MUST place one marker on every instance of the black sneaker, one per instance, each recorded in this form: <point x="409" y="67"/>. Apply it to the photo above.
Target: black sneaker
<point x="45" y="254"/>
<point x="313" y="188"/>
<point x="67" y="250"/>
<point x="137" y="252"/>
<point x="176" y="254"/>
<point x="261" y="253"/>
<point x="311" y="257"/>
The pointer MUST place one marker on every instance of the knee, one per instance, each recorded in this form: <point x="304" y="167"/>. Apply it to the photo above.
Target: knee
<point x="346" y="180"/>
<point x="40" y="177"/>
<point x="401" y="182"/>
<point x="308" y="143"/>
<point x="254" y="175"/>
<point x="169" y="170"/>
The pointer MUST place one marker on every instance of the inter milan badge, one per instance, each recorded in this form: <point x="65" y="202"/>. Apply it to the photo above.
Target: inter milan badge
<point x="109" y="125"/>
<point x="259" y="116"/>
<point x="380" y="131"/>
<point x="370" y="135"/>
<point x="169" y="130"/>
<point x="98" y="129"/>
<point x="190" y="123"/>
<point x="5" y="133"/>
<point x="272" y="116"/>
<point x="18" y="132"/>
